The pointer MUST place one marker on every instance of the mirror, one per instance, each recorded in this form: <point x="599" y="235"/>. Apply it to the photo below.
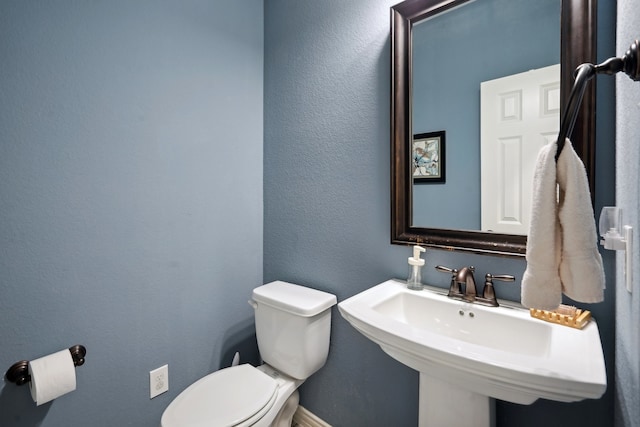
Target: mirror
<point x="577" y="45"/>
<point x="490" y="108"/>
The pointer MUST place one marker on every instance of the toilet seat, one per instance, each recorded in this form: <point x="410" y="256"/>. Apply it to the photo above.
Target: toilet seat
<point x="238" y="396"/>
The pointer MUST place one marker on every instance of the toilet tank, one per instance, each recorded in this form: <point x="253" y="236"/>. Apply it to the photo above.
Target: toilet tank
<point x="293" y="325"/>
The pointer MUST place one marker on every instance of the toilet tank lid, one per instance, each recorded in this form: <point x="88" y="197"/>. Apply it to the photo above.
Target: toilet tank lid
<point x="295" y="299"/>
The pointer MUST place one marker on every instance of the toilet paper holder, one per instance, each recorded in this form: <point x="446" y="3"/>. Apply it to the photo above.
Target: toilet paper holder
<point x="18" y="373"/>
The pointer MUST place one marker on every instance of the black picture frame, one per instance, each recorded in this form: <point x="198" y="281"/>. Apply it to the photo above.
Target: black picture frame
<point x="428" y="157"/>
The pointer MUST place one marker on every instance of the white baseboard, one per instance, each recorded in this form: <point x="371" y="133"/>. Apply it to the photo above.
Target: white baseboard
<point x="304" y="418"/>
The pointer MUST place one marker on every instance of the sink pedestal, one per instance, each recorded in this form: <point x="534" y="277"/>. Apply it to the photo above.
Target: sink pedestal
<point x="442" y="404"/>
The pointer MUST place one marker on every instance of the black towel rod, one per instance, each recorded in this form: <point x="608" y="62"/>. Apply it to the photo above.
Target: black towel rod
<point x="629" y="63"/>
<point x="18" y="373"/>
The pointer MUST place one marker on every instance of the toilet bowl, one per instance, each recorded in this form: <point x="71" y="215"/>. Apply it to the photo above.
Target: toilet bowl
<point x="238" y="396"/>
<point x="293" y="328"/>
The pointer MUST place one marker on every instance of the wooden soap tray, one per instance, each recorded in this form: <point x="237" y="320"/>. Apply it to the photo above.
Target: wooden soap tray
<point x="577" y="320"/>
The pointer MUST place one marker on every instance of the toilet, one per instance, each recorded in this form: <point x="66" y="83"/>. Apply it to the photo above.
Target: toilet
<point x="293" y="325"/>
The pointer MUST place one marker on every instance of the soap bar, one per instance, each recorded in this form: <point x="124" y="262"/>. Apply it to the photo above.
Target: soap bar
<point x="567" y="310"/>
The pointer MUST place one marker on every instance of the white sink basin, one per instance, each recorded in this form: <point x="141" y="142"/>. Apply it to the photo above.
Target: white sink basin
<point x="499" y="352"/>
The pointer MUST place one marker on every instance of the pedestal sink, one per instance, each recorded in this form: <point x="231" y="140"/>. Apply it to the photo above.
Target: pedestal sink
<point x="468" y="354"/>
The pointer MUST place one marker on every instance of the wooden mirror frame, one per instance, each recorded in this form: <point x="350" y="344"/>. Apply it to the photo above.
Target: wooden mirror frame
<point x="577" y="46"/>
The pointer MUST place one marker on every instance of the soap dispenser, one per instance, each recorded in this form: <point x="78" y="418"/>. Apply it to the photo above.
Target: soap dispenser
<point x="414" y="282"/>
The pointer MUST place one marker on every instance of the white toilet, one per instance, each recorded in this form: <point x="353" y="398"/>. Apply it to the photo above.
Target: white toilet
<point x="292" y="326"/>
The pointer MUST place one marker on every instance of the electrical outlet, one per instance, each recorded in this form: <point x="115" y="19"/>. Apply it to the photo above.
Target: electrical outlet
<point x="158" y="381"/>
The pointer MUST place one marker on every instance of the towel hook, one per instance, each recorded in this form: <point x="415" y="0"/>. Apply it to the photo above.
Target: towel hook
<point x="18" y="373"/>
<point x="629" y="63"/>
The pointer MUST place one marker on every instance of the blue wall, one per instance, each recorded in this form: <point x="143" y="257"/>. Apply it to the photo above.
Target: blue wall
<point x="327" y="214"/>
<point x="131" y="196"/>
<point x="627" y="378"/>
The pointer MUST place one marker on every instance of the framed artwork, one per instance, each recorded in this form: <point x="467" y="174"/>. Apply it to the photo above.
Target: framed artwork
<point x="428" y="154"/>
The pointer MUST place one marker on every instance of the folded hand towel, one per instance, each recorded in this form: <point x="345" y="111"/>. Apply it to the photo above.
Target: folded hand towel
<point x="581" y="269"/>
<point x="562" y="254"/>
<point x="541" y="287"/>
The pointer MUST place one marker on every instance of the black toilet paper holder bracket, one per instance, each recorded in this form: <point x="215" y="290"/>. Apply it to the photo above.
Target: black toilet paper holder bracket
<point x="18" y="373"/>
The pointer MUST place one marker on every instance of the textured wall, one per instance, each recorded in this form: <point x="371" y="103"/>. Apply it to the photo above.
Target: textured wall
<point x="327" y="213"/>
<point x="130" y="194"/>
<point x="628" y="180"/>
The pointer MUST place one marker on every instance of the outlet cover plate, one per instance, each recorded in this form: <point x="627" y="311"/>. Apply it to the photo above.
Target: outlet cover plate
<point x="158" y="381"/>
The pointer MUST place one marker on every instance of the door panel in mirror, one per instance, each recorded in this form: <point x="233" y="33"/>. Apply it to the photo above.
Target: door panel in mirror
<point x="519" y="115"/>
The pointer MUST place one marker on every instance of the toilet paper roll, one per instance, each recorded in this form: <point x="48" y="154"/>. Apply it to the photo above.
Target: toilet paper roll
<point x="52" y="376"/>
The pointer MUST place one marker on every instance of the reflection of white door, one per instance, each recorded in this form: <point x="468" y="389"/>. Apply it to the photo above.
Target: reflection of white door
<point x="519" y="114"/>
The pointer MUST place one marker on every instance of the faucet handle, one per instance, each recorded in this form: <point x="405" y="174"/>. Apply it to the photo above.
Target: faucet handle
<point x="488" y="293"/>
<point x="501" y="277"/>
<point x="443" y="269"/>
<point x="454" y="287"/>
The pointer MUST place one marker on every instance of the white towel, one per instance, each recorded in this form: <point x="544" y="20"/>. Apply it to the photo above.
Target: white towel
<point x="581" y="269"/>
<point x="541" y="287"/>
<point x="562" y="246"/>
